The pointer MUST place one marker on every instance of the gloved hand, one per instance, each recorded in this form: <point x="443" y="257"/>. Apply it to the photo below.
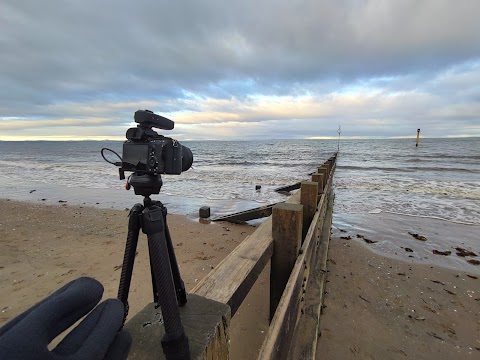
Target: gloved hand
<point x="96" y="337"/>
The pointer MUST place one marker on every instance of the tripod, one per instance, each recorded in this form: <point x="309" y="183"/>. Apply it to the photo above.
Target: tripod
<point x="168" y="287"/>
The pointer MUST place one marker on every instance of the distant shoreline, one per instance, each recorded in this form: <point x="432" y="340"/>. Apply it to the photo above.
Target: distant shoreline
<point x="333" y="138"/>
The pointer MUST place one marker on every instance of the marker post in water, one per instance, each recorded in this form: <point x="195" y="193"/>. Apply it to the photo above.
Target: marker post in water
<point x="418" y="137"/>
<point x="338" y="143"/>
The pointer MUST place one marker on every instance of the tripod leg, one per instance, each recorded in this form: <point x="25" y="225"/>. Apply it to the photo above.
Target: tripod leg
<point x="154" y="282"/>
<point x="177" y="279"/>
<point x="174" y="342"/>
<point x="129" y="256"/>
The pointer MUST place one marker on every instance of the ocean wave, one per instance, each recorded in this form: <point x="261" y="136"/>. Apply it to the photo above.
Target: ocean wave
<point x="367" y="168"/>
<point x="433" y="217"/>
<point x="407" y="168"/>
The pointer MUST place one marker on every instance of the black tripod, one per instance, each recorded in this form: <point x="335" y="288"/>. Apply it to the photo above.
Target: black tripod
<point x="168" y="287"/>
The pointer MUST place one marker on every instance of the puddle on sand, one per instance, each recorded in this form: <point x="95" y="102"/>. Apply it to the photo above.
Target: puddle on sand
<point x="391" y="233"/>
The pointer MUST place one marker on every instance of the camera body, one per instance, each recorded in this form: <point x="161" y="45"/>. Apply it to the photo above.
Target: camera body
<point x="153" y="157"/>
<point x="148" y="153"/>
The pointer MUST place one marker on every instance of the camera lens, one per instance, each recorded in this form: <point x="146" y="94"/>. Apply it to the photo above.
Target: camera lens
<point x="187" y="158"/>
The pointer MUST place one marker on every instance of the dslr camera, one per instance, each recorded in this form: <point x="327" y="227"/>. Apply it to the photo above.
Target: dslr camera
<point x="147" y="153"/>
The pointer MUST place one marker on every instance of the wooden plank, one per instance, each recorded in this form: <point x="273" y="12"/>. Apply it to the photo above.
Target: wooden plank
<point x="289" y="188"/>
<point x="242" y="216"/>
<point x="232" y="279"/>
<point x="287" y="238"/>
<point x="234" y="276"/>
<point x="307" y="331"/>
<point x="277" y="341"/>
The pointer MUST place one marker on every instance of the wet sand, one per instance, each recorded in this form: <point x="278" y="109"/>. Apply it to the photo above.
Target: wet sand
<point x="377" y="307"/>
<point x="44" y="246"/>
<point x="392" y="235"/>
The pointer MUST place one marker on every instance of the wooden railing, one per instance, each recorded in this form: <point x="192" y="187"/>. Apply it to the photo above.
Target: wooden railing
<point x="295" y="240"/>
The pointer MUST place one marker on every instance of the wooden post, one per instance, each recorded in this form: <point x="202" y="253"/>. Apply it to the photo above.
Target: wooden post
<point x="330" y="164"/>
<point x="206" y="323"/>
<point x="320" y="179"/>
<point x="418" y="137"/>
<point x="308" y="198"/>
<point x="327" y="166"/>
<point x="323" y="170"/>
<point x="287" y="238"/>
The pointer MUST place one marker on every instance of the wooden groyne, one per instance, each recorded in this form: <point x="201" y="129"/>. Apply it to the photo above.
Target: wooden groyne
<point x="295" y="240"/>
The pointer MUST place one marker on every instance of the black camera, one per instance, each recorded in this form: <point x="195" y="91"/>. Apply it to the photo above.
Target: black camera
<point x="148" y="153"/>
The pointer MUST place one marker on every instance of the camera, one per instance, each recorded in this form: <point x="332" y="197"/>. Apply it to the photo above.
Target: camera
<point x="147" y="153"/>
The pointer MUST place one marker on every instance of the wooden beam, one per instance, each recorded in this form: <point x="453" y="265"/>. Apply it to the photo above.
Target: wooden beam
<point x="287" y="238"/>
<point x="288" y="188"/>
<point x="242" y="216"/>
<point x="307" y="332"/>
<point x="232" y="279"/>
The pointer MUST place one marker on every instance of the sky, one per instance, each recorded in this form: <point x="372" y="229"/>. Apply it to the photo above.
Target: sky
<point x="239" y="70"/>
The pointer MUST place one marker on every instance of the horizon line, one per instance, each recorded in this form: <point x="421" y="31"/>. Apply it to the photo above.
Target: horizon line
<point x="335" y="138"/>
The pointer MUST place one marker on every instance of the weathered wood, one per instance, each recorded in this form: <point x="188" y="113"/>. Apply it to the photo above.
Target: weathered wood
<point x="324" y="171"/>
<point x="321" y="180"/>
<point x="330" y="163"/>
<point x="287" y="238"/>
<point x="328" y="166"/>
<point x="206" y="323"/>
<point x="308" y="198"/>
<point x="242" y="216"/>
<point x="232" y="279"/>
<point x="280" y="335"/>
<point x="288" y="188"/>
<point x="307" y="331"/>
<point x="278" y="340"/>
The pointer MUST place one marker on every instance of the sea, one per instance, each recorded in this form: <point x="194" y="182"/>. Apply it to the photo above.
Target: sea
<point x="383" y="187"/>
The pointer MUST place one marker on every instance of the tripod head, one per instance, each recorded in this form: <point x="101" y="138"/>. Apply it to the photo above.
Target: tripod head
<point x="145" y="185"/>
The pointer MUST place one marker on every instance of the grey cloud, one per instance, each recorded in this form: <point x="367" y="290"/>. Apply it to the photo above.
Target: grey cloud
<point x="75" y="59"/>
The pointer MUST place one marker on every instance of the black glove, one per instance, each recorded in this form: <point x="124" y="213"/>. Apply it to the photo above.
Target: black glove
<point x="96" y="337"/>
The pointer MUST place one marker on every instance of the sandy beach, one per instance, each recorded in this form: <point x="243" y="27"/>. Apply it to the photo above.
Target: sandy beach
<point x="45" y="246"/>
<point x="376" y="306"/>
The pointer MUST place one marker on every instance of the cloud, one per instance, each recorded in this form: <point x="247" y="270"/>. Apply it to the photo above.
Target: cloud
<point x="319" y="63"/>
